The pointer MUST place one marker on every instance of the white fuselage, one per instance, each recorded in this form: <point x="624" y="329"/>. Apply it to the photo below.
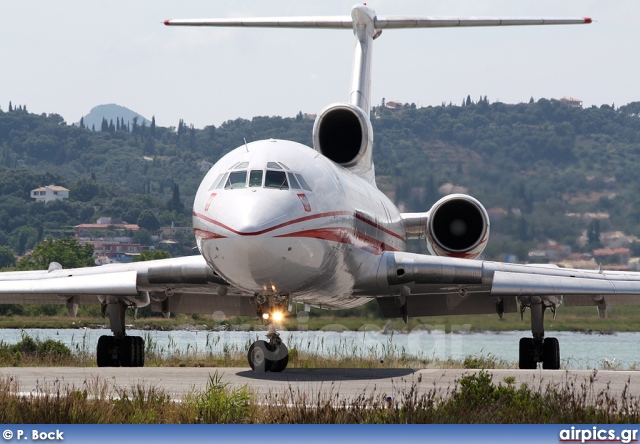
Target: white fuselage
<point x="318" y="244"/>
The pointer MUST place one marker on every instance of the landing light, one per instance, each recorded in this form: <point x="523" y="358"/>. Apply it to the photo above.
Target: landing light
<point x="265" y="316"/>
<point x="277" y="316"/>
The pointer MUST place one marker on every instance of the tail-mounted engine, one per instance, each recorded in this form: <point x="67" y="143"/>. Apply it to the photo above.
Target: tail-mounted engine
<point x="456" y="226"/>
<point x="342" y="132"/>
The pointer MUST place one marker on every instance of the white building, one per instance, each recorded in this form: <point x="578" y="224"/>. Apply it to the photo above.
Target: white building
<point x="49" y="193"/>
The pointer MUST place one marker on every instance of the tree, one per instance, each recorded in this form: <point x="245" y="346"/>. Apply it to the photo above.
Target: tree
<point x="175" y="204"/>
<point x="142" y="237"/>
<point x="67" y="251"/>
<point x="7" y="258"/>
<point x="85" y="189"/>
<point x="151" y="256"/>
<point x="148" y="221"/>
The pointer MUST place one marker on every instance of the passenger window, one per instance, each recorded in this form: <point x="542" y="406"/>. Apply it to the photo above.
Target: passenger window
<point x="293" y="182"/>
<point x="274" y="165"/>
<point x="222" y="182"/>
<point x="302" y="182"/>
<point x="276" y="179"/>
<point x="237" y="179"/>
<point x="216" y="182"/>
<point x="255" y="178"/>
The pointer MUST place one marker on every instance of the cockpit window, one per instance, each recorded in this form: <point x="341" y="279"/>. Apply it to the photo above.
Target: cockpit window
<point x="293" y="182"/>
<point x="237" y="179"/>
<point x="276" y="179"/>
<point x="221" y="183"/>
<point x="255" y="178"/>
<point x="274" y="165"/>
<point x="241" y="165"/>
<point x="215" y="182"/>
<point x="283" y="165"/>
<point x="302" y="182"/>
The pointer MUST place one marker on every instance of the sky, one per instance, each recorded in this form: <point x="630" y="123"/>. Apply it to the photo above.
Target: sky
<point x="67" y="56"/>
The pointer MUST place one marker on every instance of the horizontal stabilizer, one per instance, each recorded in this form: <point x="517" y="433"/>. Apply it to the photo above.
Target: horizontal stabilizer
<point x="116" y="284"/>
<point x="525" y="284"/>
<point x="394" y="22"/>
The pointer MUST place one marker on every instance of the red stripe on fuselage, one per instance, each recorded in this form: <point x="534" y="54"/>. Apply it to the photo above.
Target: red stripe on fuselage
<point x="206" y="235"/>
<point x="379" y="227"/>
<point x="275" y="227"/>
<point x="295" y="221"/>
<point x="345" y="236"/>
<point x="334" y="234"/>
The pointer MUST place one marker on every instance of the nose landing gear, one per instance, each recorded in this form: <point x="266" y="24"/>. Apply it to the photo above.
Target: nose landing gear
<point x="272" y="355"/>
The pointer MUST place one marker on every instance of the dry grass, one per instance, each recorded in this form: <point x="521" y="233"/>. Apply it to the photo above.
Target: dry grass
<point x="474" y="398"/>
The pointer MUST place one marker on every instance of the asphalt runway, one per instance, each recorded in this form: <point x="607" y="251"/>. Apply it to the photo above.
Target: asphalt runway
<point x="312" y="384"/>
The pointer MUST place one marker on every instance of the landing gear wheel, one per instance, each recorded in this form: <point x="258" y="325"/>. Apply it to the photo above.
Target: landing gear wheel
<point x="527" y="359"/>
<point x="104" y="351"/>
<point x="257" y="357"/>
<point x="139" y="346"/>
<point x="267" y="357"/>
<point x="127" y="352"/>
<point x="281" y="357"/>
<point x="551" y="354"/>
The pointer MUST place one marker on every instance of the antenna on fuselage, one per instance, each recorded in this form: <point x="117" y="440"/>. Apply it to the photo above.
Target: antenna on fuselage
<point x="245" y="144"/>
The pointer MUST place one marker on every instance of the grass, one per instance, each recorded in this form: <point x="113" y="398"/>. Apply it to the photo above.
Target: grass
<point x="475" y="398"/>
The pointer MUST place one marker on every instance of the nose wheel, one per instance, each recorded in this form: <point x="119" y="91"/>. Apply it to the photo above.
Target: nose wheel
<point x="268" y="356"/>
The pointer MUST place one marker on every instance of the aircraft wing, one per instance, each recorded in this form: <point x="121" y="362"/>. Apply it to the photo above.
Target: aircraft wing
<point x="184" y="284"/>
<point x="434" y="285"/>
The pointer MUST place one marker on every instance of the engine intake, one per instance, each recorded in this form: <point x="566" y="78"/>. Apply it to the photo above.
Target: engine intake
<point x="342" y="132"/>
<point x="458" y="226"/>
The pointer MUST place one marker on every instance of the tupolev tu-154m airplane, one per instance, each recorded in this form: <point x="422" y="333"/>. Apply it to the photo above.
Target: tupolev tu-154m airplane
<point x="278" y="223"/>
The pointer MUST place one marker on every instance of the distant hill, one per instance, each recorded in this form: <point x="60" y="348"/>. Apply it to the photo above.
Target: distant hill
<point x="111" y="112"/>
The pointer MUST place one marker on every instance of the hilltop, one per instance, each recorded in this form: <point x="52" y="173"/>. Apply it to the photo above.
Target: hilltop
<point x="111" y="113"/>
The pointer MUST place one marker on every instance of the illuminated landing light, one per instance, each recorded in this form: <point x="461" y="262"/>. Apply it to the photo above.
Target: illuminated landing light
<point x="277" y="316"/>
<point x="265" y="316"/>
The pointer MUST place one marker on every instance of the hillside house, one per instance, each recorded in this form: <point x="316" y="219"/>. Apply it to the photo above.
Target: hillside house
<point x="571" y="102"/>
<point x="49" y="193"/>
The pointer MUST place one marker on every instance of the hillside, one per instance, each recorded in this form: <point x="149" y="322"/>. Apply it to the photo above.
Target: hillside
<point x="542" y="169"/>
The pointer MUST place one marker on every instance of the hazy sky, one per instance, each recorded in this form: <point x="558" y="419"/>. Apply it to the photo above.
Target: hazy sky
<point x="67" y="56"/>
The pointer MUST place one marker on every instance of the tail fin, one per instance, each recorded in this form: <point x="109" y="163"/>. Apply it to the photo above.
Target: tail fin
<point x="366" y="27"/>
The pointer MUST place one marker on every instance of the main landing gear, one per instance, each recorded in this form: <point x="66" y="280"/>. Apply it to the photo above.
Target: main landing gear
<point x="119" y="350"/>
<point x="271" y="356"/>
<point x="539" y="348"/>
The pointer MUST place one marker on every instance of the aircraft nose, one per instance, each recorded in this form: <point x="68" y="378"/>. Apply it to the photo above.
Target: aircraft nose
<point x="256" y="216"/>
<point x="255" y="213"/>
